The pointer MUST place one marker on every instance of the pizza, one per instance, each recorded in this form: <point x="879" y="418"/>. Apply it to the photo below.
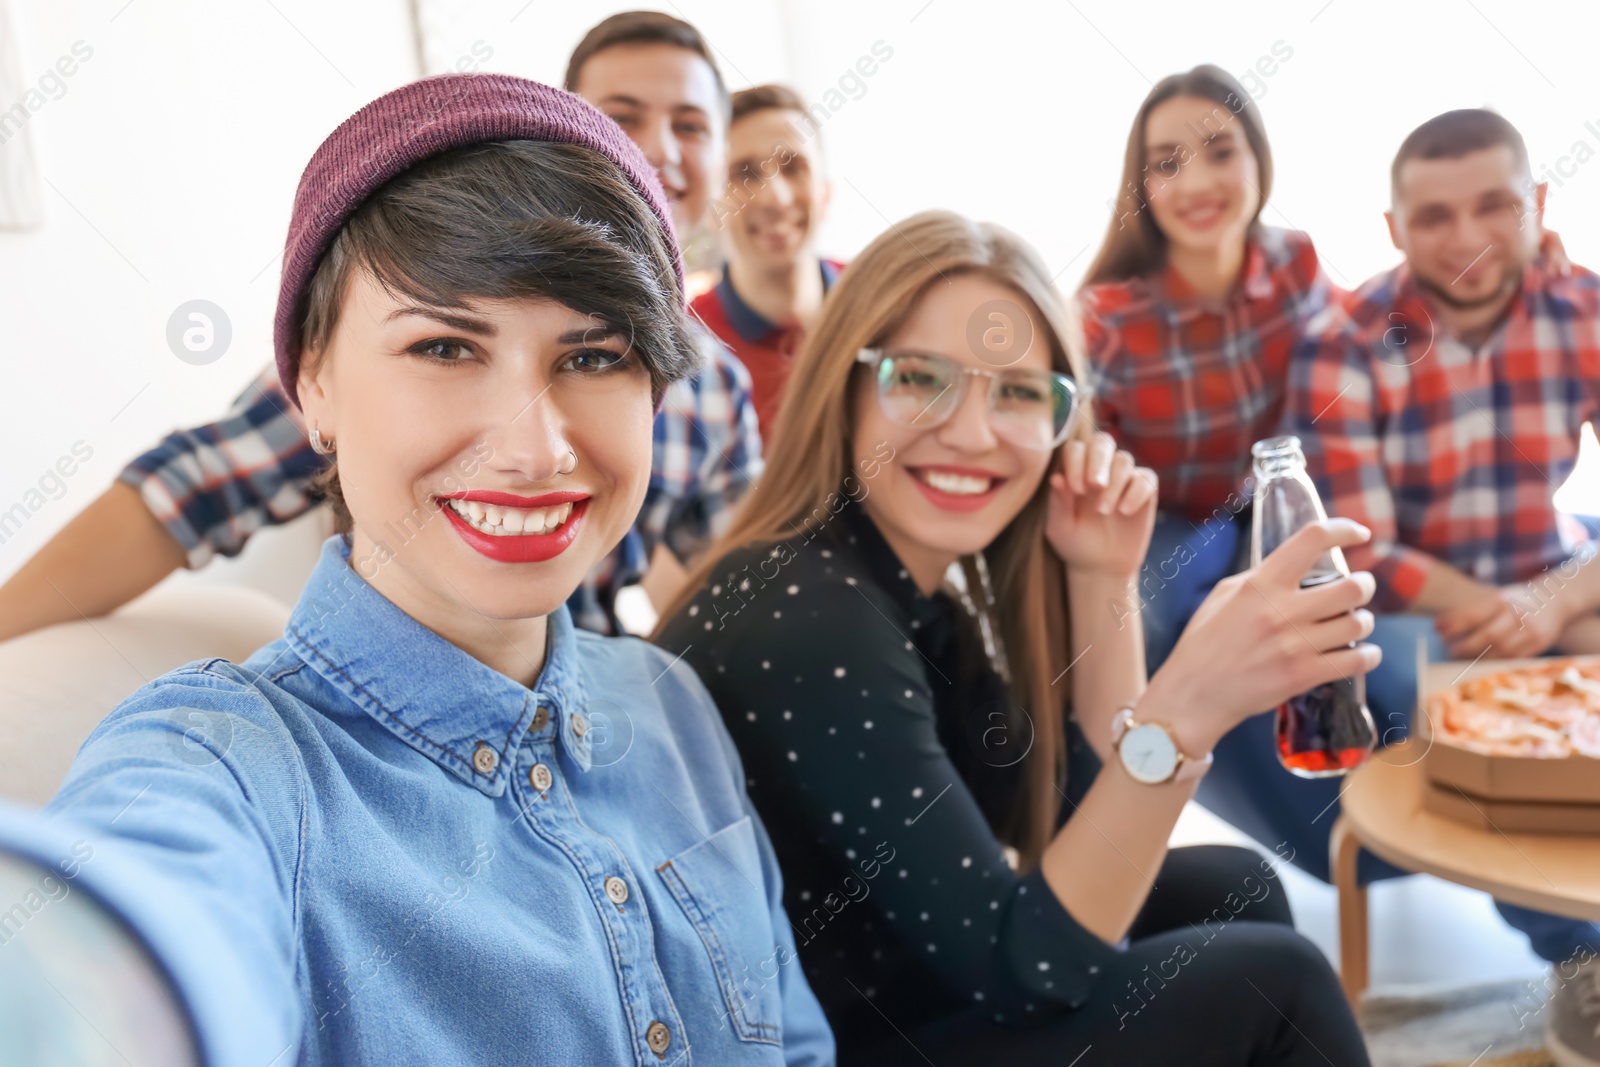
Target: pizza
<point x="1550" y="711"/>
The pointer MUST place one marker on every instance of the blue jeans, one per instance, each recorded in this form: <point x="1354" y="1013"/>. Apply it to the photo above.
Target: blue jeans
<point x="1247" y="786"/>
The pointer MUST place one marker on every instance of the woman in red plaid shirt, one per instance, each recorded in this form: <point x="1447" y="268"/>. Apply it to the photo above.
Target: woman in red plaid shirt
<point x="1190" y="311"/>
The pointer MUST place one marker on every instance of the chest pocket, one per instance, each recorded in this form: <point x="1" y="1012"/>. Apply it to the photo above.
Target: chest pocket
<point x="717" y="883"/>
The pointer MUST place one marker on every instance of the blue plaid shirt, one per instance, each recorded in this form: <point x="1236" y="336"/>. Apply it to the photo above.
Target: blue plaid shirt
<point x="215" y="485"/>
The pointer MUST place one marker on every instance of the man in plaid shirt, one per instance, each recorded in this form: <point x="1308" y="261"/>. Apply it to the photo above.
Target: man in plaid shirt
<point x="1440" y="404"/>
<point x="203" y="492"/>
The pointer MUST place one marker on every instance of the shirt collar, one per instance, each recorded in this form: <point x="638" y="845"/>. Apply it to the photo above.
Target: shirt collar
<point x="1407" y="296"/>
<point x="1255" y="283"/>
<point x="746" y="321"/>
<point x="884" y="567"/>
<point x="462" y="714"/>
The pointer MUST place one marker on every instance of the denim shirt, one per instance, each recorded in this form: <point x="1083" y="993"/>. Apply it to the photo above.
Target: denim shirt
<point x="362" y="845"/>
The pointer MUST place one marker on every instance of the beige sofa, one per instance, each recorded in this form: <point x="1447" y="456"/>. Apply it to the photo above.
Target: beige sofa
<point x="57" y="683"/>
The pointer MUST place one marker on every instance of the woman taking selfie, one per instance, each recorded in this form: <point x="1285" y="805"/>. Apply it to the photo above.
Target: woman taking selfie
<point x="902" y="740"/>
<point x="396" y="835"/>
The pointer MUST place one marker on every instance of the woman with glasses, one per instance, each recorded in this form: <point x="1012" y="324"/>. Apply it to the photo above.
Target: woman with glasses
<point x="918" y="632"/>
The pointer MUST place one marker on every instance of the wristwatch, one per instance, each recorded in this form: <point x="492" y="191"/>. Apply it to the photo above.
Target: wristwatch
<point x="1150" y="753"/>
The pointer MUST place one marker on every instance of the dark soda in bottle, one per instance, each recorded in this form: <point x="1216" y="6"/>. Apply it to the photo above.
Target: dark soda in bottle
<point x="1326" y="730"/>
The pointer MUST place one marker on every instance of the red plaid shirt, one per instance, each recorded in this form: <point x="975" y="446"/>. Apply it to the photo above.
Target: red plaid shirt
<point x="1446" y="452"/>
<point x="1188" y="383"/>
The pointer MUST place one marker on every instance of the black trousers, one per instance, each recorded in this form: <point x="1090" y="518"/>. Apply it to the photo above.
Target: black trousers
<point x="1214" y="975"/>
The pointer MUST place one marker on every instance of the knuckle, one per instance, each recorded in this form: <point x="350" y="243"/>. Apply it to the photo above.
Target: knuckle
<point x="1303" y="675"/>
<point x="1368" y="621"/>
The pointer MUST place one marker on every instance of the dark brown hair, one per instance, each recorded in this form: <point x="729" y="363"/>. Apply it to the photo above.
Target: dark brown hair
<point x="1453" y="135"/>
<point x="519" y="220"/>
<point x="1134" y="245"/>
<point x="765" y="98"/>
<point x="640" y="27"/>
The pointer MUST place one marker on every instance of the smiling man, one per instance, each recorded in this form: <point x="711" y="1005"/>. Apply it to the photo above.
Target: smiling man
<point x="653" y="75"/>
<point x="773" y="282"/>
<point x="1441" y="406"/>
<point x="1442" y="403"/>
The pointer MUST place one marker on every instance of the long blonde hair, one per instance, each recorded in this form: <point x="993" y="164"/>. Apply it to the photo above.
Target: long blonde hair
<point x="812" y="450"/>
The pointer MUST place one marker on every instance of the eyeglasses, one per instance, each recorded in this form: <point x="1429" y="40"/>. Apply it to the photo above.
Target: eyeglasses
<point x="1032" y="409"/>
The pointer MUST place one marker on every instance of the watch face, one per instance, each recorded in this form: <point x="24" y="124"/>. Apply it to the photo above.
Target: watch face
<point x="1148" y="753"/>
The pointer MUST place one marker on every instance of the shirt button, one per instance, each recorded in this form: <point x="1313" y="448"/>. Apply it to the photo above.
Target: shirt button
<point x="541" y="718"/>
<point x="658" y="1037"/>
<point x="539" y="777"/>
<point x="617" y="890"/>
<point x="484" y="759"/>
<point x="580" y="725"/>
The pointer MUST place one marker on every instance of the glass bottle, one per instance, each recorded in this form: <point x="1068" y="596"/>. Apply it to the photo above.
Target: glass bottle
<point x="1327" y="730"/>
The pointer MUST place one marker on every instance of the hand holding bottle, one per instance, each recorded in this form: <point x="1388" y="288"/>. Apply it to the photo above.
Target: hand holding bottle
<point x="1261" y="638"/>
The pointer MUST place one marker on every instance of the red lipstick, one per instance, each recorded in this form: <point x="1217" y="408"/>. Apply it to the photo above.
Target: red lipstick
<point x="511" y="500"/>
<point x="519" y="548"/>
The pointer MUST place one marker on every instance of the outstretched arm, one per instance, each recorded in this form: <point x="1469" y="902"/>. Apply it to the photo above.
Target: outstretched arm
<point x="180" y="824"/>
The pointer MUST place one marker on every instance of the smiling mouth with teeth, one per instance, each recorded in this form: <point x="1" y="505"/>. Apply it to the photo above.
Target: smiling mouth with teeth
<point x="498" y="521"/>
<point x="955" y="484"/>
<point x="955" y="489"/>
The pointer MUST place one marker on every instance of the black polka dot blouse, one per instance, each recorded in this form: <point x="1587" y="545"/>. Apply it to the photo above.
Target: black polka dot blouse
<point x="881" y="752"/>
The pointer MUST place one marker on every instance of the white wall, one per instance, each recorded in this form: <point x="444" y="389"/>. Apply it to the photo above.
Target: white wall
<point x="169" y="165"/>
<point x="172" y="154"/>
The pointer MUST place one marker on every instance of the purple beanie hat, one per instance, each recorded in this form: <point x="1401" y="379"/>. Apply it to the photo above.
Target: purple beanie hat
<point x="412" y="123"/>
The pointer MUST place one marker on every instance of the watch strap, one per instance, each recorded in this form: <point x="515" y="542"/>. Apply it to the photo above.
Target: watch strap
<point x="1120" y="722"/>
<point x="1190" y="768"/>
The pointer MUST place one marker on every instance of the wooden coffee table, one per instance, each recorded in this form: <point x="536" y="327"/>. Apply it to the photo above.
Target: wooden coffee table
<point x="1382" y="812"/>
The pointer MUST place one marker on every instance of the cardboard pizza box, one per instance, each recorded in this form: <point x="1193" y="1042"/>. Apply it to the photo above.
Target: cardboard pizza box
<point x="1511" y="816"/>
<point x="1574" y="780"/>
